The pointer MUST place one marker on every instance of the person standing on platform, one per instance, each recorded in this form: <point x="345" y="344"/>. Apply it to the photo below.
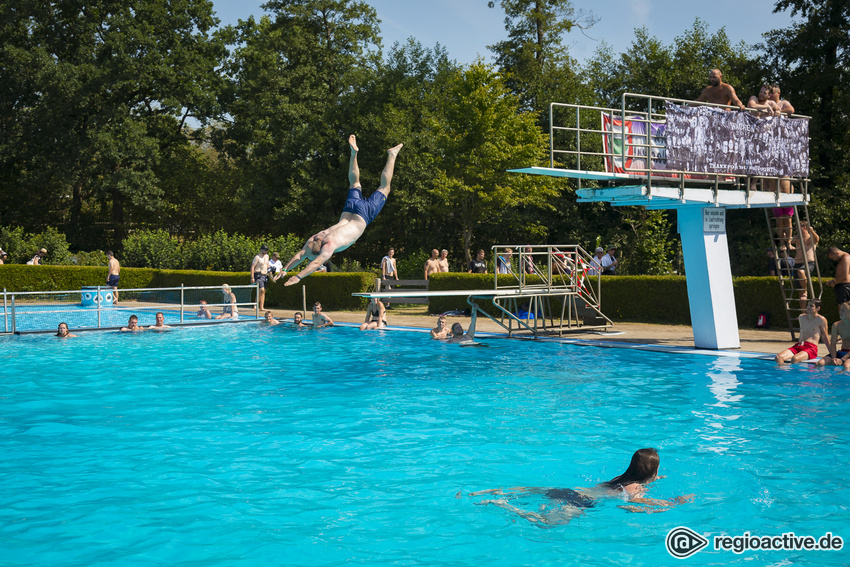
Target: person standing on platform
<point x="718" y="92"/>
<point x="113" y="276"/>
<point x="841" y="281"/>
<point x="503" y="262"/>
<point x="763" y="103"/>
<point x="782" y="105"/>
<point x="477" y="265"/>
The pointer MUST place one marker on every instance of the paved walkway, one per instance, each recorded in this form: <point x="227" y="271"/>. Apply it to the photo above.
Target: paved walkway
<point x="766" y="342"/>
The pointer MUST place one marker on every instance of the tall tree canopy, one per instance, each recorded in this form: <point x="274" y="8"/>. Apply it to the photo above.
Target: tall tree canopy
<point x="94" y="96"/>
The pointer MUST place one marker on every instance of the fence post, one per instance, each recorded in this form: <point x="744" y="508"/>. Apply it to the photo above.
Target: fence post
<point x="5" y="313"/>
<point x="14" y="327"/>
<point x="181" y="302"/>
<point x="304" y="298"/>
<point x="97" y="301"/>
<point x="257" y="304"/>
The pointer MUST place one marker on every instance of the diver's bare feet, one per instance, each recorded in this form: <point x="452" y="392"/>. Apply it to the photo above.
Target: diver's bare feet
<point x="352" y="141"/>
<point x="394" y="151"/>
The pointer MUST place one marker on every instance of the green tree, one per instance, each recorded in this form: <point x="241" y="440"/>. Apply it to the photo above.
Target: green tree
<point x="95" y="95"/>
<point x="481" y="133"/>
<point x="288" y="72"/>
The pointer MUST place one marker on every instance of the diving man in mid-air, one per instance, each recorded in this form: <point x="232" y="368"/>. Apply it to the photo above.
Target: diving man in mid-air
<point x="356" y="215"/>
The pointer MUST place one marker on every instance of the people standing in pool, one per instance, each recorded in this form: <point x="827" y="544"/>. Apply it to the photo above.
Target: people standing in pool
<point x="269" y="319"/>
<point x="441" y="331"/>
<point x="132" y="326"/>
<point x="459" y="337"/>
<point x="813" y="328"/>
<point x="376" y="316"/>
<point x="357" y="213"/>
<point x="320" y="319"/>
<point x="840" y="332"/>
<point x="63" y="333"/>
<point x="298" y="319"/>
<point x="113" y="276"/>
<point x="229" y="311"/>
<point x="160" y="323"/>
<point x="203" y="310"/>
<point x="568" y="503"/>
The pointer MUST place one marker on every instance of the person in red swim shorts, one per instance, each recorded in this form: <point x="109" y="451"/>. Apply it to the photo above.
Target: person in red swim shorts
<point x="813" y="329"/>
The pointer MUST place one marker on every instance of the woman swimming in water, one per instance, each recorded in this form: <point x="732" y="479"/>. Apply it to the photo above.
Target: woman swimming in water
<point x="631" y="486"/>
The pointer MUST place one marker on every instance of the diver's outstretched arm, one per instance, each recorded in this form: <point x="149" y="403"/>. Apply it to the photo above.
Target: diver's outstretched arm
<point x="324" y="256"/>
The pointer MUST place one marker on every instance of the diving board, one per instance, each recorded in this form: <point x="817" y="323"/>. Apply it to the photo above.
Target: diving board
<point x="676" y="198"/>
<point x="577" y="174"/>
<point x="452" y="293"/>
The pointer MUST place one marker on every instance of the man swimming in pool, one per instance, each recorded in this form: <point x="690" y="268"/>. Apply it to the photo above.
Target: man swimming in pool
<point x="356" y="216"/>
<point x="813" y="329"/>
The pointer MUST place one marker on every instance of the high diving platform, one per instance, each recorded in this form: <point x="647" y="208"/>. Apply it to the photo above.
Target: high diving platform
<point x="538" y="289"/>
<point x="699" y="159"/>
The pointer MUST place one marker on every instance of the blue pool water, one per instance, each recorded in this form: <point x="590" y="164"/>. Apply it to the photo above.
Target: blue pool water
<point x="35" y="318"/>
<point x="249" y="445"/>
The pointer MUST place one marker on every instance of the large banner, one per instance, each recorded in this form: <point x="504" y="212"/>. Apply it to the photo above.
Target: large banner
<point x="634" y="133"/>
<point x="711" y="140"/>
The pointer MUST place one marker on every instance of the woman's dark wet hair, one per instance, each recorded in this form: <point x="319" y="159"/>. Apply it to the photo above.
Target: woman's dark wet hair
<point x="642" y="469"/>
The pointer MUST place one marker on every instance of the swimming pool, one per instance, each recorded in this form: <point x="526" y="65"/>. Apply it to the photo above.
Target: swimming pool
<point x="250" y="445"/>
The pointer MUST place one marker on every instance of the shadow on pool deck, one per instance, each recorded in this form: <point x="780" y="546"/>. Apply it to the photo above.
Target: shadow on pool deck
<point x="752" y="340"/>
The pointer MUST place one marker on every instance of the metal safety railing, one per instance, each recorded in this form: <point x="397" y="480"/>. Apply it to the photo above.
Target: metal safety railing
<point x="546" y="288"/>
<point x="574" y="140"/>
<point x="101" y="307"/>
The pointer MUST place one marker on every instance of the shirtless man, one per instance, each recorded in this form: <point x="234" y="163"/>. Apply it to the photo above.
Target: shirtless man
<point x="718" y="92"/>
<point x="840" y="331"/>
<point x="444" y="260"/>
<point x="320" y="319"/>
<point x="813" y="329"/>
<point x="458" y="336"/>
<point x="132" y="326"/>
<point x="782" y="105"/>
<point x="160" y="323"/>
<point x="260" y="274"/>
<point x="432" y="264"/>
<point x="356" y="215"/>
<point x="269" y="318"/>
<point x="113" y="276"/>
<point x="763" y="102"/>
<point x="805" y="255"/>
<point x="841" y="281"/>
<point x="298" y="319"/>
<point x="440" y="331"/>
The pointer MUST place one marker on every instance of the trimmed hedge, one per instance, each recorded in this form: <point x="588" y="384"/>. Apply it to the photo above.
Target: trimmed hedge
<point x="332" y="290"/>
<point x="645" y="299"/>
<point x="648" y="299"/>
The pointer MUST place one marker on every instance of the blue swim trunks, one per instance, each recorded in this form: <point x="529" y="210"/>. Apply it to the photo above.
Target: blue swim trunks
<point x="366" y="208"/>
<point x="112" y="280"/>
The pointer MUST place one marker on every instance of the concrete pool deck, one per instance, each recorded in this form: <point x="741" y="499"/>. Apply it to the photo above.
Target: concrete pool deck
<point x="625" y="335"/>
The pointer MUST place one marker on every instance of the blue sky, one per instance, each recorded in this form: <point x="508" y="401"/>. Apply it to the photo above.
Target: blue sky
<point x="466" y="27"/>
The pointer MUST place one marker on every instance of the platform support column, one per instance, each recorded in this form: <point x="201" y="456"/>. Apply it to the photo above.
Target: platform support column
<point x="709" y="279"/>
